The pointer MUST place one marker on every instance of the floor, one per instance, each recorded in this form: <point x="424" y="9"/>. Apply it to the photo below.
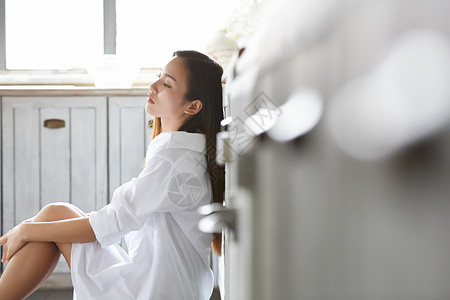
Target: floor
<point x="68" y="295"/>
<point x="50" y="290"/>
<point x="51" y="295"/>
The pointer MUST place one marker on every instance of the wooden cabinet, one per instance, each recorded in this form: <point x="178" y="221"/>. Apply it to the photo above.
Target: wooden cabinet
<point x="68" y="149"/>
<point x="54" y="150"/>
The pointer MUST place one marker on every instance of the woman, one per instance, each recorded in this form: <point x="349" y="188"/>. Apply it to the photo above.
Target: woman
<point x="168" y="257"/>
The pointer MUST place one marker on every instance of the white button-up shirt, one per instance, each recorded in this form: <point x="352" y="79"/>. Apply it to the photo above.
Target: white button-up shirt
<point x="168" y="257"/>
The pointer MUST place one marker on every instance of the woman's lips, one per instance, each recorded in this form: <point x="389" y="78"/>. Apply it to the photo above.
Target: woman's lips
<point x="149" y="100"/>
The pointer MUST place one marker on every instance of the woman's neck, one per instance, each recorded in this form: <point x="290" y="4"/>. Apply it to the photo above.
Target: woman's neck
<point x="170" y="125"/>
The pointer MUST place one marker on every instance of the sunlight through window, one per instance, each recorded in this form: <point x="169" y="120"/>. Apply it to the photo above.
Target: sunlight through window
<point x="52" y="34"/>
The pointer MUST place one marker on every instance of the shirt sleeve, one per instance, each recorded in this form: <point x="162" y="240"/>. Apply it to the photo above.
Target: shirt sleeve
<point x="155" y="190"/>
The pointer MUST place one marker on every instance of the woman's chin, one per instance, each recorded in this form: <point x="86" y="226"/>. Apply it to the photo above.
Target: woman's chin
<point x="149" y="110"/>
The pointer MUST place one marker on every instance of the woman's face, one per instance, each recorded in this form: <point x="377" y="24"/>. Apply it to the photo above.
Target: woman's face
<point x="166" y="97"/>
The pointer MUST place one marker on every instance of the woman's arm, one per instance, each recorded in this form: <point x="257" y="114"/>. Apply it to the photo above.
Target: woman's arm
<point x="76" y="230"/>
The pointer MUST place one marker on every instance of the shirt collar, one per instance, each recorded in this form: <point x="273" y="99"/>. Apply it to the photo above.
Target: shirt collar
<point x="182" y="139"/>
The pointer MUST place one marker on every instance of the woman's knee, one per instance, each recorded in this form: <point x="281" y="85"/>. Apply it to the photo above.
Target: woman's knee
<point x="58" y="211"/>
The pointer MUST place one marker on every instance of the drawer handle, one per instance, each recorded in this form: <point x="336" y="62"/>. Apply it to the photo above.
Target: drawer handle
<point x="54" y="123"/>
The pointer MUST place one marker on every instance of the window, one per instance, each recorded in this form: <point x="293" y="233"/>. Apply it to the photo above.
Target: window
<point x="54" y="34"/>
<point x="150" y="30"/>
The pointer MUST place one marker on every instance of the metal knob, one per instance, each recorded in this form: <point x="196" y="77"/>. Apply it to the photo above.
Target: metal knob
<point x="218" y="218"/>
<point x="224" y="151"/>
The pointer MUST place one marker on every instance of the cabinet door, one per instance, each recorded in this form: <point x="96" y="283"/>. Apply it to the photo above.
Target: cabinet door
<point x="1" y="168"/>
<point x="54" y="149"/>
<point x="129" y="135"/>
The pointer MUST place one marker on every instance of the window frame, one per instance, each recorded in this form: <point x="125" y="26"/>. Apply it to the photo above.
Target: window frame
<point x="109" y="26"/>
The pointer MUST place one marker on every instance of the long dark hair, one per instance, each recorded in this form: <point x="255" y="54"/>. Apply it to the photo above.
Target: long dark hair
<point x="204" y="83"/>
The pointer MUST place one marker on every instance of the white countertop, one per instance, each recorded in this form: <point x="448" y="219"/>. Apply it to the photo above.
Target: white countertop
<point x="69" y="90"/>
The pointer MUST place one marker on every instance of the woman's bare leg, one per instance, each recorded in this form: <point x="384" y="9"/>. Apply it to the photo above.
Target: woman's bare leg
<point x="28" y="269"/>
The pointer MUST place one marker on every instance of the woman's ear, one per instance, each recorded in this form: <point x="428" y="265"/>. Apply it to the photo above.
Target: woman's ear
<point x="193" y="107"/>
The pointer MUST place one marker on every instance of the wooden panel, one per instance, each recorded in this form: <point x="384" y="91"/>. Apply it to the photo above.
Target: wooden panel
<point x="7" y="166"/>
<point x="20" y="163"/>
<point x="129" y="136"/>
<point x="132" y="142"/>
<point x="101" y="153"/>
<point x="83" y="173"/>
<point x="1" y="182"/>
<point x="26" y="163"/>
<point x="114" y="144"/>
<point x="55" y="157"/>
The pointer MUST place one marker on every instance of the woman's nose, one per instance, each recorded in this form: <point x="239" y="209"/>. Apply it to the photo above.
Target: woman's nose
<point x="153" y="88"/>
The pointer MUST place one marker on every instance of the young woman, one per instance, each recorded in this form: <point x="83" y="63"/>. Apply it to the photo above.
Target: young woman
<point x="168" y="257"/>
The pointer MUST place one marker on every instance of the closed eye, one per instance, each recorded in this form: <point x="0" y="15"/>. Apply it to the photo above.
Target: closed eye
<point x="165" y="84"/>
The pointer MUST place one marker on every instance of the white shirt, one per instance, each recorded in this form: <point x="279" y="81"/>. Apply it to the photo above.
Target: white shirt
<point x="168" y="257"/>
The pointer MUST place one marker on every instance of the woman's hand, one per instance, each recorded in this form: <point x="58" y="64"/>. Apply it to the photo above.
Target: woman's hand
<point x="12" y="242"/>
